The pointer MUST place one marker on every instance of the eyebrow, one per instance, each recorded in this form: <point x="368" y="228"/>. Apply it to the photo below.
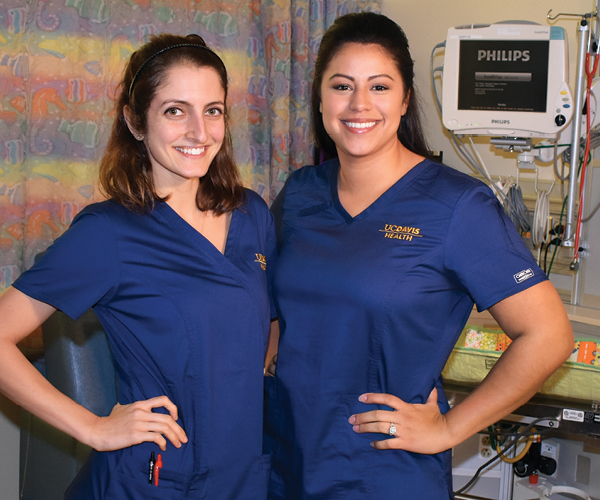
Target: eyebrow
<point x="385" y="75"/>
<point x="186" y="103"/>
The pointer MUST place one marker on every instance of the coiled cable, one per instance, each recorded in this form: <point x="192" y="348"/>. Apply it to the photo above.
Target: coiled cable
<point x="517" y="210"/>
<point x="540" y="229"/>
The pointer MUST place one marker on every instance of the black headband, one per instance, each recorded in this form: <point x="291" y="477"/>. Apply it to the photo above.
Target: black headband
<point x="159" y="53"/>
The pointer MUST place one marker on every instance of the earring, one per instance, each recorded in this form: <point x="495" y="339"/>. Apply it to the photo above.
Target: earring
<point x="139" y="137"/>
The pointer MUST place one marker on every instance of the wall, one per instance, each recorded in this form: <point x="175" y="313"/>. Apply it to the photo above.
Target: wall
<point x="426" y="24"/>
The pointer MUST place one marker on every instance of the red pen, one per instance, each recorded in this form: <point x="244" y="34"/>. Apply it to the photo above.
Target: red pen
<point x="157" y="466"/>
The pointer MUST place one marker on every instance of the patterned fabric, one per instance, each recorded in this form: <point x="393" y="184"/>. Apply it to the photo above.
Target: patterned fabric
<point x="61" y="62"/>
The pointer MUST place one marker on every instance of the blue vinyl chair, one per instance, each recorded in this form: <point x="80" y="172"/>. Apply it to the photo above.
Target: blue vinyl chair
<point x="77" y="361"/>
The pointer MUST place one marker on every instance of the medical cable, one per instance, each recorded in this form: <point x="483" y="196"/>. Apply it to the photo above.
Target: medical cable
<point x="434" y="71"/>
<point x="517" y="210"/>
<point x="460" y="146"/>
<point x="464" y="496"/>
<point x="561" y="175"/>
<point x="521" y="455"/>
<point x="540" y="229"/>
<point x="470" y="160"/>
<point x="594" y="143"/>
<point x="507" y="448"/>
<point x="590" y="74"/>
<point x="512" y="200"/>
<point x="480" y="160"/>
<point x="558" y="240"/>
<point x="592" y="213"/>
<point x="545" y="266"/>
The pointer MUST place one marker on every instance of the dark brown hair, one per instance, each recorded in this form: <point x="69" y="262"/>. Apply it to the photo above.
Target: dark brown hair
<point x="369" y="28"/>
<point x="125" y="169"/>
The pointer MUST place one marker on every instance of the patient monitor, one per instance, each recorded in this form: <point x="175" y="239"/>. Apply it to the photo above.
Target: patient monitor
<point x="506" y="79"/>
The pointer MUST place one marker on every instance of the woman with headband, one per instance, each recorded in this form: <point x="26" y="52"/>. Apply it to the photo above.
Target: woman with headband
<point x="176" y="266"/>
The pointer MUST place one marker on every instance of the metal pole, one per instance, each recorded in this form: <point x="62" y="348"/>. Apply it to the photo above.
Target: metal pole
<point x="584" y="36"/>
<point x="595" y="17"/>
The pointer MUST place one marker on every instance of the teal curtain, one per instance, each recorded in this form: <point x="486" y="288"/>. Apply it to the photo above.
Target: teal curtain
<point x="60" y="63"/>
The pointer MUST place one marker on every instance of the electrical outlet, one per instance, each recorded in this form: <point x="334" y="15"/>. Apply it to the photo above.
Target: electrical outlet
<point x="550" y="450"/>
<point x="485" y="447"/>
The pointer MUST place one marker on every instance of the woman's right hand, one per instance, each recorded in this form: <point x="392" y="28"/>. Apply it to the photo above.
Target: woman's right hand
<point x="136" y="423"/>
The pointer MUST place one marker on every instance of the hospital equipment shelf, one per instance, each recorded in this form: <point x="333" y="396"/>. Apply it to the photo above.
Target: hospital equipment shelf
<point x="573" y="416"/>
<point x="587" y="423"/>
<point x="584" y="315"/>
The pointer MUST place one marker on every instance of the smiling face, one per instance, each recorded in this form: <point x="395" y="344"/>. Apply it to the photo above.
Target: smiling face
<point x="362" y="101"/>
<point x="185" y="126"/>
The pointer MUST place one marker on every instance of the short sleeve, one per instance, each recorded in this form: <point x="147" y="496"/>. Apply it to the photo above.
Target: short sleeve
<point x="485" y="252"/>
<point x="78" y="270"/>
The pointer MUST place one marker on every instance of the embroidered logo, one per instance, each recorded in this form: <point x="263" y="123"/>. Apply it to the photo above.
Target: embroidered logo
<point x="262" y="260"/>
<point x="396" y="232"/>
<point x="523" y="275"/>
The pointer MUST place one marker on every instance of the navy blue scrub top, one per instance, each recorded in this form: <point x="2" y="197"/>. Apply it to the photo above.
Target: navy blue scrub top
<point x="375" y="303"/>
<point x="183" y="320"/>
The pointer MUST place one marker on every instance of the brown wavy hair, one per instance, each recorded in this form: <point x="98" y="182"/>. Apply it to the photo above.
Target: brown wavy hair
<point x="125" y="169"/>
<point x="369" y="28"/>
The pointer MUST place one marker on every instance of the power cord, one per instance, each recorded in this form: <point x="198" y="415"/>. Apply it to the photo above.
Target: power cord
<point x="504" y="450"/>
<point x="528" y="442"/>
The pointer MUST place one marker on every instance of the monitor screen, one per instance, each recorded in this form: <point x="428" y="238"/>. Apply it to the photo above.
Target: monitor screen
<point x="503" y="75"/>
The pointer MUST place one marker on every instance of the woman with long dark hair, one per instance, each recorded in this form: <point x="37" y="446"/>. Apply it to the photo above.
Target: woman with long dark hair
<point x="383" y="254"/>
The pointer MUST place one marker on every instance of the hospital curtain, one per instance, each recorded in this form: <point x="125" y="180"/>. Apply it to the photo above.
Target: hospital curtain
<point x="60" y="63"/>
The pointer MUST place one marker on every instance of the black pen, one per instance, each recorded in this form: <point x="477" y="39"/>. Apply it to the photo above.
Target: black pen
<point x="151" y="468"/>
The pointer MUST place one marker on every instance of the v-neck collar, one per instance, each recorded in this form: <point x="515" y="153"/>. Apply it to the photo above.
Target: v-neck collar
<point x="229" y="264"/>
<point x="189" y="232"/>
<point x="386" y="196"/>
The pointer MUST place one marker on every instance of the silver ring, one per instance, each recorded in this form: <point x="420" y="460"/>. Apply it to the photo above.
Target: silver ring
<point x="392" y="430"/>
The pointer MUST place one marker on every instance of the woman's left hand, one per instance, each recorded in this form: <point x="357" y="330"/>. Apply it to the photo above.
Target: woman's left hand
<point x="420" y="428"/>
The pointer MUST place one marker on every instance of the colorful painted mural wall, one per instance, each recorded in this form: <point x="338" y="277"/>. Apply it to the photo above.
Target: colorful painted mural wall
<point x="60" y="65"/>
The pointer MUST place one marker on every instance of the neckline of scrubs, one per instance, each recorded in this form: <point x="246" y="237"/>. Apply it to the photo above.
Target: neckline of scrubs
<point x="389" y="194"/>
<point x="228" y="263"/>
<point x="197" y="237"/>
